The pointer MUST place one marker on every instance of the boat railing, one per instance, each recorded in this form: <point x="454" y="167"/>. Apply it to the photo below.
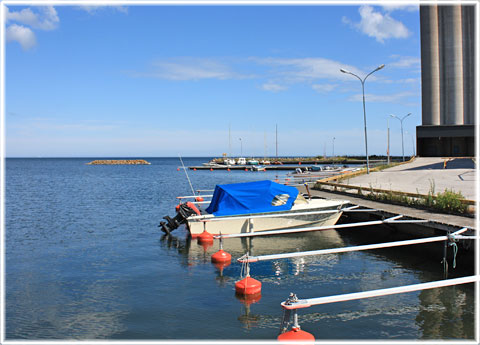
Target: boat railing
<point x="283" y="231"/>
<point x="290" y="214"/>
<point x="194" y="196"/>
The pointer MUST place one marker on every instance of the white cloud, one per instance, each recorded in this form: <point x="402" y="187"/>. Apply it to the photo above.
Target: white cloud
<point x="300" y="70"/>
<point x="379" y="25"/>
<point x="277" y="73"/>
<point x="44" y="18"/>
<point x="323" y="88"/>
<point x="410" y="81"/>
<point x="190" y="69"/>
<point x="392" y="98"/>
<point x="94" y="9"/>
<point x="396" y="6"/>
<point x="270" y="86"/>
<point x="22" y="35"/>
<point x="405" y="61"/>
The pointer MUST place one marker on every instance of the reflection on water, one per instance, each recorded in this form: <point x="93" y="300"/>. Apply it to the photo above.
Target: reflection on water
<point x="96" y="312"/>
<point x="86" y="260"/>
<point x="446" y="313"/>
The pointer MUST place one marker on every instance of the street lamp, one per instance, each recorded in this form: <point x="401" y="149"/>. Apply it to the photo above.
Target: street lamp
<point x="364" y="112"/>
<point x="413" y="143"/>
<point x="401" y="127"/>
<point x="388" y="142"/>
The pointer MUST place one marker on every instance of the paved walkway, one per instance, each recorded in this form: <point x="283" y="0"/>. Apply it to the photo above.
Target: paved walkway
<point x="423" y="174"/>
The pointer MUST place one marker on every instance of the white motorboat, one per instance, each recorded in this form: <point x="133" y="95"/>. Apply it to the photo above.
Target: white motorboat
<point x="255" y="206"/>
<point x="241" y="161"/>
<point x="229" y="161"/>
<point x="257" y="168"/>
<point x="212" y="163"/>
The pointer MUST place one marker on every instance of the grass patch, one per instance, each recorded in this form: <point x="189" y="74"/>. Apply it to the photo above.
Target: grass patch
<point x="447" y="201"/>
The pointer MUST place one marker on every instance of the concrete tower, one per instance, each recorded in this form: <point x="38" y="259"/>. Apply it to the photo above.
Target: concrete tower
<point x="447" y="35"/>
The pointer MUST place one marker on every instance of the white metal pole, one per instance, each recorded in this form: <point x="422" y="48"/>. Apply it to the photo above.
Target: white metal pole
<point x="401" y="128"/>
<point x="344" y="249"/>
<point x="388" y="142"/>
<point x="305" y="303"/>
<point x="364" y="111"/>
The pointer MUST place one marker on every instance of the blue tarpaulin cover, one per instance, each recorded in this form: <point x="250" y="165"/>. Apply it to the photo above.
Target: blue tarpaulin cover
<point x="250" y="197"/>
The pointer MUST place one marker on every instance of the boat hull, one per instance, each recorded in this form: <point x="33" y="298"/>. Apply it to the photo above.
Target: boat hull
<point x="299" y="216"/>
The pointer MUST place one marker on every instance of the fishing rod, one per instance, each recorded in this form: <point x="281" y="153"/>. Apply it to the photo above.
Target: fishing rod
<point x="186" y="174"/>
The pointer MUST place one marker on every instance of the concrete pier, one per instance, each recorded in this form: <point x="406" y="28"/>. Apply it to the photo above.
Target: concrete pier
<point x="422" y="174"/>
<point x="416" y="176"/>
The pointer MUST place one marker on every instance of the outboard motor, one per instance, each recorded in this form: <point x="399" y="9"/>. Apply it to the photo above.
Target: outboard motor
<point x="183" y="212"/>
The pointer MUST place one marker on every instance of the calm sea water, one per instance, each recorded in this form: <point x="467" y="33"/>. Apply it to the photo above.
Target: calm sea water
<point x="86" y="260"/>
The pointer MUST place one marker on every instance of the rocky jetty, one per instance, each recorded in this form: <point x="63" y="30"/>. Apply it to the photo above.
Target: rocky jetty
<point x="119" y="161"/>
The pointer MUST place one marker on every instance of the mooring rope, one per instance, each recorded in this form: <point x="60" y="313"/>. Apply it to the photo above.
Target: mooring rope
<point x="455" y="251"/>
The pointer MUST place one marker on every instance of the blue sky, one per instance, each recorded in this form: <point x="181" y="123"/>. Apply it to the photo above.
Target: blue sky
<point x="159" y="80"/>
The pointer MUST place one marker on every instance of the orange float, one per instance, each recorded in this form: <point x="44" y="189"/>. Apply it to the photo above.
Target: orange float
<point x="205" y="237"/>
<point x="296" y="334"/>
<point x="248" y="286"/>
<point x="221" y="257"/>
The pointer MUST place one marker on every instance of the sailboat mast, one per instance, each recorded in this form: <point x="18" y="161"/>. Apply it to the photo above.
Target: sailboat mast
<point x="264" y="145"/>
<point x="229" y="142"/>
<point x="276" y="140"/>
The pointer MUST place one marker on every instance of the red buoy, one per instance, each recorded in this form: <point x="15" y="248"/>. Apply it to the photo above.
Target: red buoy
<point x="194" y="169"/>
<point x="299" y="163"/>
<point x="178" y="169"/>
<point x="228" y="169"/>
<point x="205" y="237"/>
<point x="248" y="286"/>
<point x="199" y="198"/>
<point x="221" y="257"/>
<point x="296" y="334"/>
<point x="246" y="169"/>
<point x="211" y="169"/>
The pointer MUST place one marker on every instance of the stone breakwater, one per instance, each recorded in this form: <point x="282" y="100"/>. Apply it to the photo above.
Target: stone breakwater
<point x="119" y="161"/>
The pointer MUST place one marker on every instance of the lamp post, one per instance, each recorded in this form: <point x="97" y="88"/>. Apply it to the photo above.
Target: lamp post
<point x="401" y="127"/>
<point x="364" y="112"/>
<point x="388" y="142"/>
<point x="413" y="143"/>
